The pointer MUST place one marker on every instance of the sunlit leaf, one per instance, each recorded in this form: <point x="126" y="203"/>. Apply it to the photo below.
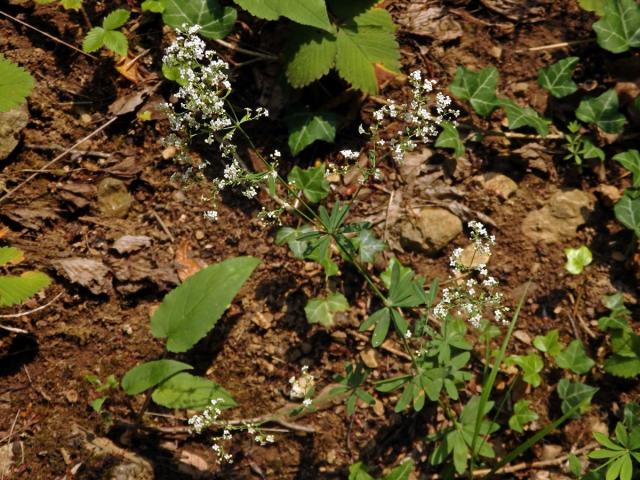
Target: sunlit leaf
<point x="149" y="374"/>
<point x="15" y="85"/>
<point x="186" y="391"/>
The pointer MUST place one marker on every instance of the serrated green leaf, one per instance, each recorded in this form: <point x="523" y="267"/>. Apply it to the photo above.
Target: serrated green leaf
<point x="627" y="212"/>
<point x="478" y="88"/>
<point x="548" y="343"/>
<point x="155" y="6"/>
<point x="311" y="181"/>
<point x="364" y="42"/>
<point x="619" y="28"/>
<point x="10" y="255"/>
<point x="575" y="358"/>
<point x="186" y="391"/>
<point x="322" y="309"/>
<point x="625" y="367"/>
<point x="94" y="40"/>
<point x="603" y="111"/>
<point x="15" y="290"/>
<point x="311" y="54"/>
<point x="71" y="4"/>
<point x="556" y="78"/>
<point x="309" y="12"/>
<point x="631" y="161"/>
<point x="116" y="42"/>
<point x="401" y="472"/>
<point x="574" y="394"/>
<point x="577" y="259"/>
<point x="531" y="365"/>
<point x="147" y="375"/>
<point x="308" y="127"/>
<point x="522" y="415"/>
<point x="214" y="20"/>
<point x="116" y="19"/>
<point x="15" y="84"/>
<point x="368" y="245"/>
<point x="192" y="309"/>
<point x="595" y="6"/>
<point x="449" y="137"/>
<point x="525" y="117"/>
<point x="358" y="471"/>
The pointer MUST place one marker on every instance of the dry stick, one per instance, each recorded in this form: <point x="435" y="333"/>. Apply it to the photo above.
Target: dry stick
<point x="13" y="426"/>
<point x="556" y="45"/>
<point x="55" y="39"/>
<point x="29" y="312"/>
<point x="162" y="224"/>
<point x="88" y="153"/>
<point x="388" y="348"/>
<point x="62" y="155"/>
<point x="265" y="56"/>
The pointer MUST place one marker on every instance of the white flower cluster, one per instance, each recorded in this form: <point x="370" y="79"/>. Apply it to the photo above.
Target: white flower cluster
<point x="422" y="117"/>
<point x="476" y="292"/>
<point x="302" y="385"/>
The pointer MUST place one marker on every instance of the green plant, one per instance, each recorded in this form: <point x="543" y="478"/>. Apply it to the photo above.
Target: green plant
<point x="108" y="35"/>
<point x="577" y="259"/>
<point x="358" y="471"/>
<point x="15" y="85"/>
<point x="625" y="343"/>
<point x="110" y="383"/>
<point x="67" y="4"/>
<point x="627" y="210"/>
<point x="619" y="28"/>
<point x="16" y="289"/>
<point x="580" y="148"/>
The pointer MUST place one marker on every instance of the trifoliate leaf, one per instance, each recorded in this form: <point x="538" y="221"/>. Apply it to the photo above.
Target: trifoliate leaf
<point x="147" y="375"/>
<point x="522" y="415"/>
<point x="575" y="358"/>
<point x="15" y="85"/>
<point x="116" y="19"/>
<point x="450" y="138"/>
<point x="311" y="54"/>
<point x="595" y="6"/>
<point x="531" y="365"/>
<point x="308" y="12"/>
<point x="549" y="343"/>
<point x="155" y="6"/>
<point x="556" y="78"/>
<point x="15" y="290"/>
<point x="525" y="117"/>
<point x="186" y="391"/>
<point x="116" y="42"/>
<point x="574" y="395"/>
<point x="321" y="309"/>
<point x="214" y="20"/>
<point x="627" y="212"/>
<point x="577" y="259"/>
<point x="311" y="181"/>
<point x="619" y="28"/>
<point x="364" y="42"/>
<point x="631" y="161"/>
<point x="603" y="111"/>
<point x="94" y="39"/>
<point x="192" y="309"/>
<point x="10" y="255"/>
<point x="478" y="88"/>
<point x="308" y="127"/>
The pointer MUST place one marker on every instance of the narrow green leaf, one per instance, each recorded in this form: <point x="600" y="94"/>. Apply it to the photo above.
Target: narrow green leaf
<point x="307" y="127"/>
<point x="147" y="375"/>
<point x="556" y="78"/>
<point x="214" y="20"/>
<point x="478" y="88"/>
<point x="382" y="328"/>
<point x="358" y="471"/>
<point x="186" y="391"/>
<point x="191" y="310"/>
<point x="619" y="28"/>
<point x="603" y="111"/>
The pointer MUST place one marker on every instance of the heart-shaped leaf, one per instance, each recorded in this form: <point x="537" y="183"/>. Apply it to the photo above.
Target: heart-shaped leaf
<point x="619" y="28"/>
<point x="147" y="375"/>
<point x="603" y="111"/>
<point x="321" y="309"/>
<point x="478" y="88"/>
<point x="186" y="391"/>
<point x="307" y="127"/>
<point x="556" y="78"/>
<point x="575" y="358"/>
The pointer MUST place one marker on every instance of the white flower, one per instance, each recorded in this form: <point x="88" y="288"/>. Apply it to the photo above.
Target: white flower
<point x="350" y="154"/>
<point x="211" y="215"/>
<point x="307" y="402"/>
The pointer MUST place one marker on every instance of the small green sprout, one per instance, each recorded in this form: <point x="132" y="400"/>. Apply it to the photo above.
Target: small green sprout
<point x="107" y="35"/>
<point x="577" y="259"/>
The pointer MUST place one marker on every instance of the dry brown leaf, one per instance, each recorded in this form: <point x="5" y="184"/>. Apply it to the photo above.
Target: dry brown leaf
<point x="128" y="68"/>
<point x="4" y="232"/>
<point x="186" y="265"/>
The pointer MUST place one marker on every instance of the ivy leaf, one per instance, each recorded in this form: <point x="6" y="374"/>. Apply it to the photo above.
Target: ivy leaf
<point x="116" y="19"/>
<point x="575" y="358"/>
<point x="574" y="394"/>
<point x="627" y="212"/>
<point x="577" y="259"/>
<point x="186" y="391"/>
<point x="308" y="12"/>
<point x="321" y="309"/>
<point x="450" y="138"/>
<point x="522" y="415"/>
<point x="556" y="78"/>
<point x="524" y="117"/>
<point x="15" y="290"/>
<point x="290" y="236"/>
<point x="214" y="20"/>
<point x="311" y="181"/>
<point x="15" y="84"/>
<point x="531" y="365"/>
<point x="478" y="88"/>
<point x="363" y="42"/>
<point x="549" y="343"/>
<point x="368" y="245"/>
<point x="311" y="54"/>
<point x="192" y="309"/>
<point x="631" y="161"/>
<point x="116" y="42"/>
<point x="147" y="375"/>
<point x="603" y="111"/>
<point x="307" y="127"/>
<point x="619" y="28"/>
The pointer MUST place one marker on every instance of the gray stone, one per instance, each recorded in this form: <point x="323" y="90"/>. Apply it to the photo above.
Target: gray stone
<point x="499" y="184"/>
<point x="114" y="200"/>
<point x="559" y="219"/>
<point x="431" y="231"/>
<point x="11" y="124"/>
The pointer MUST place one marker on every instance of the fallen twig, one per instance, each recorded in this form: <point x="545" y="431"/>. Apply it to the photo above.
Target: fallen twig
<point x="58" y="148"/>
<point x="265" y="56"/>
<point x="29" y="312"/>
<point x="552" y="46"/>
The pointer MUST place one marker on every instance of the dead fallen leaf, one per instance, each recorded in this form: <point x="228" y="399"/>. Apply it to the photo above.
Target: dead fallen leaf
<point x="78" y="194"/>
<point x="187" y="265"/>
<point x="193" y="465"/>
<point x="131" y="243"/>
<point x="32" y="217"/>
<point x="129" y="103"/>
<point x="432" y="22"/>
<point x="128" y="69"/>
<point x="88" y="272"/>
<point x="130" y="167"/>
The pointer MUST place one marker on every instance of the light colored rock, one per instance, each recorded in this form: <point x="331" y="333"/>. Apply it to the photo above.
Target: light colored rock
<point x="431" y="231"/>
<point x="550" y="451"/>
<point x="6" y="460"/>
<point x="471" y="257"/>
<point x="499" y="184"/>
<point x="11" y="124"/>
<point x="559" y="218"/>
<point x="114" y="200"/>
<point x="131" y="243"/>
<point x="369" y="358"/>
<point x="609" y="194"/>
